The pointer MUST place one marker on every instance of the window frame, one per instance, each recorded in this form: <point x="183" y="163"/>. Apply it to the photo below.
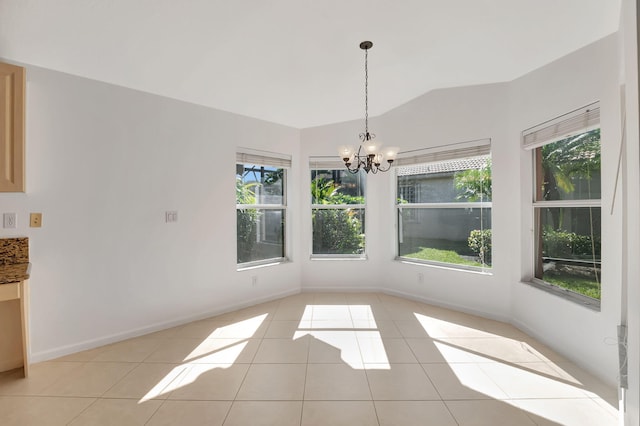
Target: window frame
<point x="430" y="156"/>
<point x="553" y="131"/>
<point x="331" y="166"/>
<point x="278" y="162"/>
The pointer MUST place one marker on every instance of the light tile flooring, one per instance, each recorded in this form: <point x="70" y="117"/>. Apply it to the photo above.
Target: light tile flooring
<point x="315" y="359"/>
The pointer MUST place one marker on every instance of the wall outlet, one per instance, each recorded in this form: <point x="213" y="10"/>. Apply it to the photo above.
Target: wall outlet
<point x="35" y="220"/>
<point x="9" y="220"/>
<point x="420" y="278"/>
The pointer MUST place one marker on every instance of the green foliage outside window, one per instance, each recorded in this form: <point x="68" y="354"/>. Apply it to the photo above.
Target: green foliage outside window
<point x="562" y="244"/>
<point x="569" y="236"/>
<point x="480" y="243"/>
<point x="566" y="161"/>
<point x="474" y="184"/>
<point x="335" y="231"/>
<point x="246" y="219"/>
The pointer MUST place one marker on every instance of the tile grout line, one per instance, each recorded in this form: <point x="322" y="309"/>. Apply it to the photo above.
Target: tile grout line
<point x="304" y="386"/>
<point x="373" y="402"/>
<point x="175" y="379"/>
<point x="82" y="411"/>
<point x="235" y="398"/>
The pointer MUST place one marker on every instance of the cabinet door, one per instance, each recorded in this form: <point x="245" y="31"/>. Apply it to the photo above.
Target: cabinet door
<point x="12" y="111"/>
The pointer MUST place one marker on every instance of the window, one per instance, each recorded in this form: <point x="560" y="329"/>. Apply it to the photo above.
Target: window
<point x="566" y="204"/>
<point x="444" y="206"/>
<point x="337" y="212"/>
<point x="260" y="209"/>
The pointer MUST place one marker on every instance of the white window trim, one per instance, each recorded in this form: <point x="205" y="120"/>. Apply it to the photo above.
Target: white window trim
<point x="330" y="163"/>
<point x="566" y="294"/>
<point x="461" y="205"/>
<point x="399" y="207"/>
<point x="563" y="293"/>
<point x="575" y="122"/>
<point x="262" y="158"/>
<point x="338" y="256"/>
<point x="432" y="155"/>
<point x="568" y="203"/>
<point x="267" y="159"/>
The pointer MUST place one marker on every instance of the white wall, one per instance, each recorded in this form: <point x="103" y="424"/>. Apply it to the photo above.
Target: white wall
<point x="104" y="163"/>
<point x="631" y="199"/>
<point x="499" y="112"/>
<point x="585" y="76"/>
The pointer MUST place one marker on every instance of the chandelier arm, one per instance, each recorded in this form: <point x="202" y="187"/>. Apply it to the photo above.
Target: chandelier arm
<point x="354" y="171"/>
<point x="356" y="167"/>
<point x="383" y="169"/>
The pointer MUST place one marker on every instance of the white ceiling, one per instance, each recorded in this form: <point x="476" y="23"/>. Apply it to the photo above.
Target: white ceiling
<point x="297" y="62"/>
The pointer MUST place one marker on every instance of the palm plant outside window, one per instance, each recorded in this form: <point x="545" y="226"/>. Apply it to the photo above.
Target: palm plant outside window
<point x="338" y="213"/>
<point x="567" y="213"/>
<point x="566" y="205"/>
<point x="260" y="213"/>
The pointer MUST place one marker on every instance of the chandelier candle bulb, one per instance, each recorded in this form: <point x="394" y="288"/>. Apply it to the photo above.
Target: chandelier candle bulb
<point x="390" y="153"/>
<point x="346" y="152"/>
<point x="371" y="147"/>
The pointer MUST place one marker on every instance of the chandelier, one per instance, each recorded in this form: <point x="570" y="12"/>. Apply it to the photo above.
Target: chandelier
<point x="370" y="155"/>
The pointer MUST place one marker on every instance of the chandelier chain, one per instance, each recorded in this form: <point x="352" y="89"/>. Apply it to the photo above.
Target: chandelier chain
<point x="366" y="92"/>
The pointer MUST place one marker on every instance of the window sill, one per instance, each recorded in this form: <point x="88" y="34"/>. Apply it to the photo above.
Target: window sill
<point x="565" y="294"/>
<point x="447" y="266"/>
<point x="355" y="257"/>
<point x="261" y="264"/>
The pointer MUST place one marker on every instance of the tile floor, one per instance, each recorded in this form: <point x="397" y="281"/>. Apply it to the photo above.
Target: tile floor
<point x="315" y="359"/>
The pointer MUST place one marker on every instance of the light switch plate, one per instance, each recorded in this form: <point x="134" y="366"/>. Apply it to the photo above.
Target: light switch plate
<point x="170" y="216"/>
<point x="9" y="220"/>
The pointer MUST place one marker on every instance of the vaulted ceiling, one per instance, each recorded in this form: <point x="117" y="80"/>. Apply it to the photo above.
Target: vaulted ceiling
<point x="297" y="62"/>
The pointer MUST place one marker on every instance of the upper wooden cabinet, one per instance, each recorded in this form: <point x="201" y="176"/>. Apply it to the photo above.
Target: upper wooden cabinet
<point x="12" y="111"/>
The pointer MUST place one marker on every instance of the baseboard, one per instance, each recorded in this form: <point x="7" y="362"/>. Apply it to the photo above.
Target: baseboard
<point x="442" y="304"/>
<point x="340" y="289"/>
<point x="116" y="337"/>
<point x="576" y="360"/>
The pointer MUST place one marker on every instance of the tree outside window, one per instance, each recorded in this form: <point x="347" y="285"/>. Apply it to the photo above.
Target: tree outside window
<point x="260" y="213"/>
<point x="568" y="214"/>
<point x="338" y="213"/>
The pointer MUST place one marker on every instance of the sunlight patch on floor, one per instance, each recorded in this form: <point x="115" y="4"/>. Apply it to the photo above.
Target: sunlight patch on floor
<point x="217" y="352"/>
<point x="242" y="329"/>
<point x="164" y="385"/>
<point x="220" y="349"/>
<point x="506" y="369"/>
<point x="349" y="328"/>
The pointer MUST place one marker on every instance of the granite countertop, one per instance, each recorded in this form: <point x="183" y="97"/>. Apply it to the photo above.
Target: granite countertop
<point x="14" y="272"/>
<point x="14" y="250"/>
<point x="14" y="259"/>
